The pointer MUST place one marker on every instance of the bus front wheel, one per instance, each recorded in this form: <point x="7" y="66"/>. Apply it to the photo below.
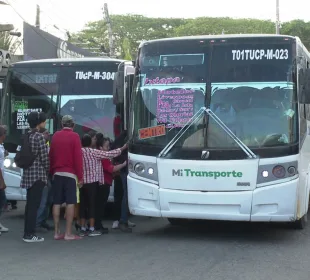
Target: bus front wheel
<point x="301" y="223"/>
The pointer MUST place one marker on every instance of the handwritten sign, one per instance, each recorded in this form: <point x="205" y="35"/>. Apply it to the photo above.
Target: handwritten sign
<point x="154" y="131"/>
<point x="20" y="105"/>
<point x="175" y="107"/>
<point x="162" y="81"/>
<point x="22" y="114"/>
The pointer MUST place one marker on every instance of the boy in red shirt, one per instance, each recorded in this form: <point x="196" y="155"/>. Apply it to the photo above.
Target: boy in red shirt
<point x="108" y="172"/>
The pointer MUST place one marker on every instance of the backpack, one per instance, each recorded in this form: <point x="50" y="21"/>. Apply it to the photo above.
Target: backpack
<point x="24" y="157"/>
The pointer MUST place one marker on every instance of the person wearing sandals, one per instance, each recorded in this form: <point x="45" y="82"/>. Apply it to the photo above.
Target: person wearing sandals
<point x="67" y="171"/>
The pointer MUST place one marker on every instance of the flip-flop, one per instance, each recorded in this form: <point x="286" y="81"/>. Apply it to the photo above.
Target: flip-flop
<point x="76" y="237"/>
<point x="59" y="237"/>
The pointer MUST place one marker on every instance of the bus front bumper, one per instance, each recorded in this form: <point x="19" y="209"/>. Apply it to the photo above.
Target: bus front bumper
<point x="274" y="203"/>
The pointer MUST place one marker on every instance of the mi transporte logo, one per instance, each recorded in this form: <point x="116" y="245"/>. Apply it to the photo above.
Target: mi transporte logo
<point x="207" y="174"/>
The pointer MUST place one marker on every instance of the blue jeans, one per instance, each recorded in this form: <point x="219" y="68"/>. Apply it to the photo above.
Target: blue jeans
<point x="43" y="211"/>
<point x="2" y="200"/>
<point x="124" y="211"/>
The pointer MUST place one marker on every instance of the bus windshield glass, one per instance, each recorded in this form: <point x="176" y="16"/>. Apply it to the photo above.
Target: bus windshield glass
<point x="249" y="85"/>
<point x="82" y="91"/>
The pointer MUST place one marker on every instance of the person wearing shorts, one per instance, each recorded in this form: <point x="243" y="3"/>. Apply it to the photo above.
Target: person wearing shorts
<point x="92" y="169"/>
<point x="67" y="169"/>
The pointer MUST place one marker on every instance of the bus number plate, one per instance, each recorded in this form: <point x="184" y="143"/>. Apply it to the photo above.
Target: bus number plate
<point x="260" y="54"/>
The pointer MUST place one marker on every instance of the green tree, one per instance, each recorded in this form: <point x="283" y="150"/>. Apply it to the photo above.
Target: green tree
<point x="133" y="28"/>
<point x="126" y="49"/>
<point x="298" y="28"/>
<point x="7" y="42"/>
<point x="213" y="26"/>
<point x="130" y="30"/>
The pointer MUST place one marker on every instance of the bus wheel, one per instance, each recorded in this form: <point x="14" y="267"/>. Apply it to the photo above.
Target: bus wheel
<point x="301" y="223"/>
<point x="177" y="222"/>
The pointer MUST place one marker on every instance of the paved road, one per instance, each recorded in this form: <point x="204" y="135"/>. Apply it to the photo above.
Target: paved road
<point x="156" y="250"/>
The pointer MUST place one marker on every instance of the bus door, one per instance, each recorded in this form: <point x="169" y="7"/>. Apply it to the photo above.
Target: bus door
<point x="129" y="77"/>
<point x="122" y="95"/>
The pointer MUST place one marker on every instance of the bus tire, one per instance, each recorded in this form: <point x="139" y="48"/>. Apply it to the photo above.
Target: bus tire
<point x="301" y="223"/>
<point x="176" y="221"/>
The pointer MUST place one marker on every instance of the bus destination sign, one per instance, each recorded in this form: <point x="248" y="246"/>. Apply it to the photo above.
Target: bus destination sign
<point x="260" y="54"/>
<point x="81" y="75"/>
<point x="39" y="78"/>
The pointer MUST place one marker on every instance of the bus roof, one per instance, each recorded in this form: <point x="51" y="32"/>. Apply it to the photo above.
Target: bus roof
<point x="222" y="36"/>
<point x="68" y="60"/>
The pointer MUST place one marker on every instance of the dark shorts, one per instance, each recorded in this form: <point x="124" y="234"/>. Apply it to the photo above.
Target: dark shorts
<point x="64" y="190"/>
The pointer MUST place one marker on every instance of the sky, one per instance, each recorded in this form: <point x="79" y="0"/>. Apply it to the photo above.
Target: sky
<point x="72" y="15"/>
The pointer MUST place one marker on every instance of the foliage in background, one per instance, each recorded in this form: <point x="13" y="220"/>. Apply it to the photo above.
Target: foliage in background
<point x="7" y="42"/>
<point x="130" y="30"/>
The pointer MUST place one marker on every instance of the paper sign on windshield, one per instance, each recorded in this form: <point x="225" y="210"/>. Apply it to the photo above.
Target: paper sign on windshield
<point x="154" y="131"/>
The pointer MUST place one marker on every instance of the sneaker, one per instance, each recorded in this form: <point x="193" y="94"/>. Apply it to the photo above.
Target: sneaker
<point x="93" y="233"/>
<point x="124" y="228"/>
<point x="130" y="224"/>
<point x="33" y="239"/>
<point x="83" y="233"/>
<point x="3" y="228"/>
<point x="115" y="225"/>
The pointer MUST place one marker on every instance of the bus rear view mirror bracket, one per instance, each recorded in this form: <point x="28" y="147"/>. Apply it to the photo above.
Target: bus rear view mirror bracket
<point x="304" y="94"/>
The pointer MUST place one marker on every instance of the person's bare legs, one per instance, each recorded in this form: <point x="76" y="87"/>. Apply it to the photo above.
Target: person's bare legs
<point x="92" y="222"/>
<point x="56" y="215"/>
<point x="69" y="216"/>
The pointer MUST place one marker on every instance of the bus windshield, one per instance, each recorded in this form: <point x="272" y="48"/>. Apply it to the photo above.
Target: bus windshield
<point x="250" y="87"/>
<point x="83" y="91"/>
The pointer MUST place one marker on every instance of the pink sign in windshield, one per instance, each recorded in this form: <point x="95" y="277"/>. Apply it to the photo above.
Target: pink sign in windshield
<point x="175" y="107"/>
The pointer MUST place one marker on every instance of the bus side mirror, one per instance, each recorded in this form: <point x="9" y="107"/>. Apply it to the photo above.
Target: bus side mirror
<point x="304" y="89"/>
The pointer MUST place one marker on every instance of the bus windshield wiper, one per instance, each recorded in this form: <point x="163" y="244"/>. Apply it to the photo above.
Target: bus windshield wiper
<point x="194" y="120"/>
<point x="233" y="136"/>
<point x="176" y="138"/>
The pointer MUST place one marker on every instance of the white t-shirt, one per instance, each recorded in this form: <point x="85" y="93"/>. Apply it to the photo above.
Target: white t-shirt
<point x="2" y="152"/>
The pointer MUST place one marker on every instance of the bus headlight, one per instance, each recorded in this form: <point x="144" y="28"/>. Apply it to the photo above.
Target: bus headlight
<point x="7" y="163"/>
<point x="143" y="169"/>
<point x="139" y="168"/>
<point x="272" y="172"/>
<point x="279" y="171"/>
<point x="10" y="166"/>
<point x="292" y="170"/>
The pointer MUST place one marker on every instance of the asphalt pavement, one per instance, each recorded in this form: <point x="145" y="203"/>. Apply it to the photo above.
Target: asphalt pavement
<point x="157" y="250"/>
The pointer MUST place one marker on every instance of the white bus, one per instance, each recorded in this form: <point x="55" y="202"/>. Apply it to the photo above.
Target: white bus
<point x="220" y="129"/>
<point x="80" y="87"/>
